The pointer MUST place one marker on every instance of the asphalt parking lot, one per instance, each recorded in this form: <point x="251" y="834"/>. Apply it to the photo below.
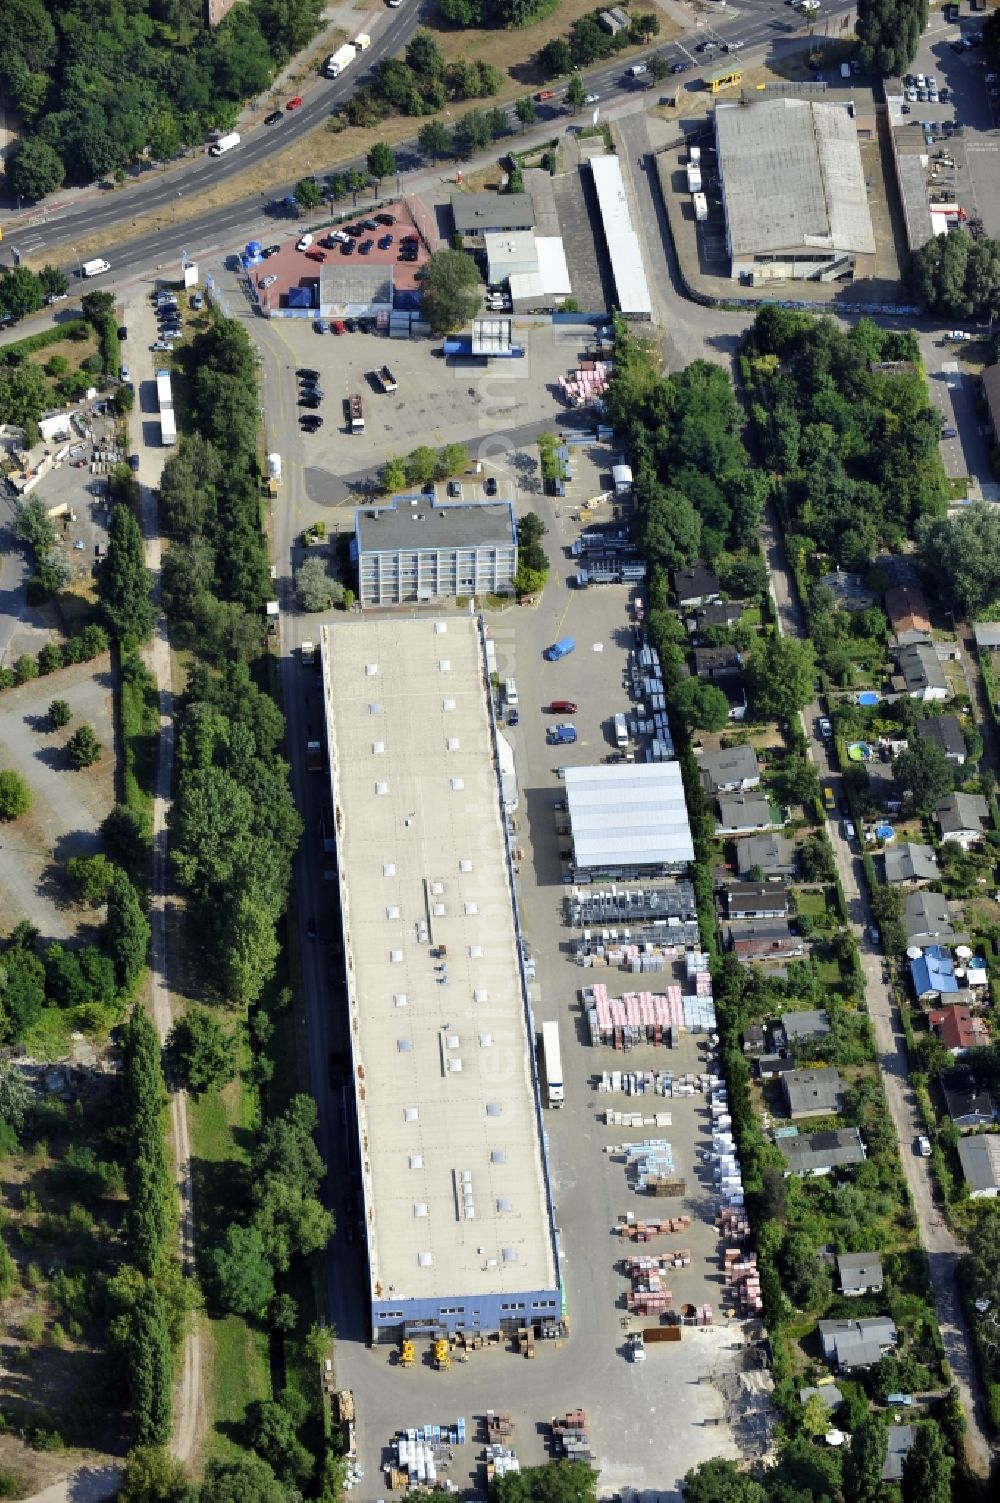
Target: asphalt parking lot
<point x="977" y="182"/>
<point x="436" y="402"/>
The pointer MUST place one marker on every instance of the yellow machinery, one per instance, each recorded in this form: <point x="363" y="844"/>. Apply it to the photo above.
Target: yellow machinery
<point x="442" y="1355"/>
<point x="406" y="1354"/>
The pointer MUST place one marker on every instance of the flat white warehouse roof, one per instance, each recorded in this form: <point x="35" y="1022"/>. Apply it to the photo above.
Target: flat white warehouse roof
<point x="622" y="241"/>
<point x="628" y="815"/>
<point x="454" y="1188"/>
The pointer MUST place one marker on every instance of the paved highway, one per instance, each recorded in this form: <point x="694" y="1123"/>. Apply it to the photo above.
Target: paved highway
<point x="53" y="236"/>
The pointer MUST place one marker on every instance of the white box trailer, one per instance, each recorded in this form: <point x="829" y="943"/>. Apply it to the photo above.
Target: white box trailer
<point x="168" y="427"/>
<point x="553" y="1064"/>
<point x="700" y="207"/>
<point x="224" y="144"/>
<point x="339" y="60"/>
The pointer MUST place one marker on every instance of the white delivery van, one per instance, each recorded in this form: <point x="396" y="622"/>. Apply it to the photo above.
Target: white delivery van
<point x="225" y="143"/>
<point x="510" y="694"/>
<point x="94" y="268"/>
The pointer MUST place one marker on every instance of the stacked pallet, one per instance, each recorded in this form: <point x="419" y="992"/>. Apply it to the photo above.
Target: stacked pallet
<point x="588" y="382"/>
<point x="645" y="1231"/>
<point x="571" y="1436"/>
<point x="733" y="1223"/>
<point x="679" y="1258"/>
<point x="636" y="1119"/>
<point x="743" y="1277"/>
<point x="703" y="1315"/>
<point x="636" y="1082"/>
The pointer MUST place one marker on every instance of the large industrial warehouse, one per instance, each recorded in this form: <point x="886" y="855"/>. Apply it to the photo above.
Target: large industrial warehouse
<point x="793" y="191"/>
<point x="629" y="820"/>
<point x="458" y="1211"/>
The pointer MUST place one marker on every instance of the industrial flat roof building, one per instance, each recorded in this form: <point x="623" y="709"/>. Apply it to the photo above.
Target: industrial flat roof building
<point x="628" y="818"/>
<point x="479" y="214"/>
<point x="794" y="190"/>
<point x="414" y="551"/>
<point x="460" y="1232"/>
<point x="631" y="287"/>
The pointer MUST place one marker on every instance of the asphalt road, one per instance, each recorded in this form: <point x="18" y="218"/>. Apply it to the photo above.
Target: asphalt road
<point x="53" y="233"/>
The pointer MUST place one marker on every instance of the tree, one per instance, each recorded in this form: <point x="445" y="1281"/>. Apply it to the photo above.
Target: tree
<point x="928" y="1467"/>
<point x="126" y="932"/>
<point x="576" y="92"/>
<point x="890" y="34"/>
<point x="657" y="67"/>
<point x="15" y="1098"/>
<point x="22" y="986"/>
<point x="152" y="1475"/>
<point x="965" y="550"/>
<point x="308" y="193"/>
<point x="782" y="676"/>
<point x="125" y="580"/>
<point x="97" y="308"/>
<point x="201" y="1051"/>
<point x="60" y="714"/>
<point x="143" y="1338"/>
<point x="555" y="58"/>
<point x="272" y="1435"/>
<point x="247" y="1479"/>
<point x="815" y="1417"/>
<point x="33" y="170"/>
<point x="381" y="161"/>
<point x="15" y="795"/>
<point x="93" y="875"/>
<point x="671" y="529"/>
<point x="423" y="55"/>
<point x="525" y="111"/>
<point x="392" y="476"/>
<point x="700" y="704"/>
<point x="83" y="747"/>
<point x="53" y="282"/>
<point x="719" y="1481"/>
<point x="451" y="460"/>
<point x="566" y="1482"/>
<point x="451" y="290"/>
<point x="20" y="291"/>
<point x="33" y="525"/>
<point x="434" y="140"/>
<point x="865" y="1460"/>
<point x="314" y="589"/>
<point x="241" y="1273"/>
<point x="925" y="772"/>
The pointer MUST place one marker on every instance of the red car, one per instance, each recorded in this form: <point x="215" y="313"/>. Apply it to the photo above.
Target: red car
<point x="563" y="707"/>
<point x="315" y="255"/>
<point x="293" y="104"/>
<point x="338" y="327"/>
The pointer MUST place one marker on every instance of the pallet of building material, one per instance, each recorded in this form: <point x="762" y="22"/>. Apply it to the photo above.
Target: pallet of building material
<point x="665" y="1187"/>
<point x="644" y="1302"/>
<point x="573" y="1419"/>
<point x="498" y="1425"/>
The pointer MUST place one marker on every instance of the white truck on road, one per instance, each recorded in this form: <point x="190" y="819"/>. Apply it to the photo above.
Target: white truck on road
<point x="339" y="60"/>
<point x="224" y="144"/>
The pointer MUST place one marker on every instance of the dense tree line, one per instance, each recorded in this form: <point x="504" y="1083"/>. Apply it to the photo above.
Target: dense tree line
<point x="215" y="575"/>
<point x="589" y="42"/>
<point x="955" y="276"/>
<point x="284" y="1217"/>
<point x="124" y="582"/>
<point x="889" y="32"/>
<point x="855" y="443"/>
<point x="97" y="90"/>
<point x="234" y="827"/>
<point x="964" y="552"/>
<point x="141" y="1328"/>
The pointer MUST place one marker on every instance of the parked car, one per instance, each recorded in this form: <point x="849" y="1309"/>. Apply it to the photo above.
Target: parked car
<point x="454" y="487"/>
<point x="273" y="117"/>
<point x="950" y="433"/>
<point x="386" y="218"/>
<point x="306" y="373"/>
<point x="924" y="1146"/>
<point x="268" y="281"/>
<point x="271" y="250"/>
<point x="133" y="463"/>
<point x="825" y="728"/>
<point x="562" y="707"/>
<point x="315" y="255"/>
<point x="320" y="325"/>
<point x="347" y="249"/>
<point x="304" y="243"/>
<point x="365" y="246"/>
<point x="513" y="718"/>
<point x="310" y="421"/>
<point x="160" y="344"/>
<point x="384" y="242"/>
<point x="490" y="485"/>
<point x="293" y="104"/>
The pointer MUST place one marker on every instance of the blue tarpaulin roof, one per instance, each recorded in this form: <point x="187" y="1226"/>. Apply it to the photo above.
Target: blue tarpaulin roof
<point x="300" y="297"/>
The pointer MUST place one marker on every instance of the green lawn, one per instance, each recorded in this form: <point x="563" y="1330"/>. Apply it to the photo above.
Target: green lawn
<point x="812" y="904"/>
<point x="236" y="1354"/>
